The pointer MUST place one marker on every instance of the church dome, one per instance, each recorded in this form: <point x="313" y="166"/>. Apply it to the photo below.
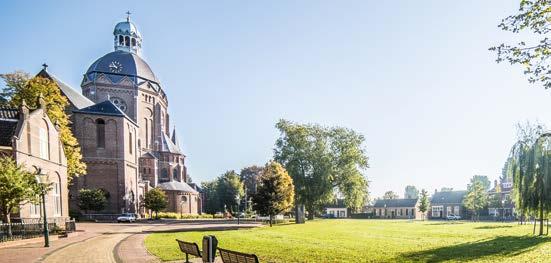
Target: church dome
<point x="119" y="64"/>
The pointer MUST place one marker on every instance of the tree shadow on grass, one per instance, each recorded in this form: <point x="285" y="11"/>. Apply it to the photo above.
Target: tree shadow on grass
<point x="445" y="223"/>
<point x="499" y="246"/>
<point x="492" y="227"/>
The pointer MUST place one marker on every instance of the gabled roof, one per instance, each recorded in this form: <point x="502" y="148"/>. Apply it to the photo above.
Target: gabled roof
<point x="395" y="203"/>
<point x="9" y="118"/>
<point x="74" y="97"/>
<point x="448" y="197"/>
<point x="169" y="146"/>
<point x="177" y="186"/>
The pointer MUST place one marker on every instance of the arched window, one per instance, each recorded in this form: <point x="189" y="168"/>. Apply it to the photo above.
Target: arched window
<point x="164" y="174"/>
<point x="130" y="145"/>
<point x="56" y="193"/>
<point x="184" y="198"/>
<point x="133" y="42"/>
<point x="127" y="41"/>
<point x="121" y="40"/>
<point x="43" y="143"/>
<point x="100" y="133"/>
<point x="175" y="173"/>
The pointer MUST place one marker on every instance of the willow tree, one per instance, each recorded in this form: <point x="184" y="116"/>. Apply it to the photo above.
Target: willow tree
<point x="532" y="177"/>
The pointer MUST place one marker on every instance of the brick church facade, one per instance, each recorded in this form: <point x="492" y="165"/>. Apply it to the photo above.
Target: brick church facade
<point x="122" y="123"/>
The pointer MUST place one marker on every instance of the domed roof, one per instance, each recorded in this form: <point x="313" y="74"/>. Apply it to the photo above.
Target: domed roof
<point x="118" y="64"/>
<point x="127" y="28"/>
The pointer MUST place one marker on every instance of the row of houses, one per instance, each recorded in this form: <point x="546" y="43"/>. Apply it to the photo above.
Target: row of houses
<point x="442" y="205"/>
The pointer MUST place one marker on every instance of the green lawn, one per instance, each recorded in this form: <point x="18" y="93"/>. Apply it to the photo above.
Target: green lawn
<point x="373" y="241"/>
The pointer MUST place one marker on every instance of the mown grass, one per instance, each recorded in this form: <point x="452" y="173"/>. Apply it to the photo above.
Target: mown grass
<point x="372" y="241"/>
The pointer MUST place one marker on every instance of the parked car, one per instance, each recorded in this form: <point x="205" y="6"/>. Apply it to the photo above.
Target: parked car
<point x="453" y="217"/>
<point x="126" y="218"/>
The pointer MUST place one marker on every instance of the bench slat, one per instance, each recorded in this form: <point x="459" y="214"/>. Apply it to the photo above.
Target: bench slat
<point x="229" y="256"/>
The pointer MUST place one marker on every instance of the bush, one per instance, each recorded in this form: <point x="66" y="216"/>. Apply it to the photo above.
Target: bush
<point x="171" y="215"/>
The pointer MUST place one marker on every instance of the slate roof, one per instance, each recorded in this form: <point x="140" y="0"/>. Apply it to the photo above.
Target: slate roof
<point x="169" y="146"/>
<point x="103" y="108"/>
<point x="74" y="97"/>
<point x="132" y="66"/>
<point x="395" y="203"/>
<point x="448" y="197"/>
<point x="177" y="186"/>
<point x="9" y="117"/>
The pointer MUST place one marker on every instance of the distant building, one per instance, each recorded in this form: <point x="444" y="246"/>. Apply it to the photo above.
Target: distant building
<point x="396" y="208"/>
<point x="337" y="209"/>
<point x="446" y="203"/>
<point x="501" y="193"/>
<point x="33" y="142"/>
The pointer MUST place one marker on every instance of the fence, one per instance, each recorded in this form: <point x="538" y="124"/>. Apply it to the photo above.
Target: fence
<point x="33" y="229"/>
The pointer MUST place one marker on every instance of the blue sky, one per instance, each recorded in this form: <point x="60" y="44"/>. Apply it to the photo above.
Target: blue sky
<point x="415" y="77"/>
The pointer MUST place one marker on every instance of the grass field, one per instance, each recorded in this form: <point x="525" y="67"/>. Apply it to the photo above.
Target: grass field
<point x="373" y="241"/>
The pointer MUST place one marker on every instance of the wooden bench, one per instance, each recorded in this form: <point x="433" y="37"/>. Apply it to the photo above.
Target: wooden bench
<point x="189" y="249"/>
<point x="229" y="256"/>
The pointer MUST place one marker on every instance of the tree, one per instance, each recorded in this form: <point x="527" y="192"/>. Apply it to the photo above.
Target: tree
<point x="424" y="202"/>
<point x="477" y="197"/>
<point x="275" y="192"/>
<point x="91" y="199"/>
<point x="531" y="170"/>
<point x="21" y="87"/>
<point x="155" y="200"/>
<point x="390" y="195"/>
<point x="320" y="161"/>
<point x="17" y="187"/>
<point x="533" y="22"/>
<point x="230" y="190"/>
<point x="212" y="202"/>
<point x="250" y="175"/>
<point x="483" y="179"/>
<point x="411" y="192"/>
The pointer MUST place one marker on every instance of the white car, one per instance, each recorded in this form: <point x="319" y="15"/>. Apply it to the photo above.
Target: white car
<point x="453" y="217"/>
<point x="126" y="218"/>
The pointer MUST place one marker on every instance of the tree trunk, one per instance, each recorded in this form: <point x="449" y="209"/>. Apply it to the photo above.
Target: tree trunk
<point x="541" y="216"/>
<point x="8" y="221"/>
<point x="270" y="220"/>
<point x="157" y="215"/>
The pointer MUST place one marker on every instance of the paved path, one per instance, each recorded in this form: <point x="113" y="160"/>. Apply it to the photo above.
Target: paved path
<point x="104" y="243"/>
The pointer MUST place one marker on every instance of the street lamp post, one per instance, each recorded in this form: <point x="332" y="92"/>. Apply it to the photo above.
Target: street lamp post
<point x="42" y="180"/>
<point x="237" y="200"/>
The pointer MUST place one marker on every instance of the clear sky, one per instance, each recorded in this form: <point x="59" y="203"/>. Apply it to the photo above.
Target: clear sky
<point x="415" y="77"/>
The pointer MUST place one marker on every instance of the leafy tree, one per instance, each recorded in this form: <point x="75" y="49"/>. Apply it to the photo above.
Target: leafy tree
<point x="390" y="195"/>
<point x="411" y="192"/>
<point x="230" y="188"/>
<point x="477" y="197"/>
<point x="155" y="200"/>
<point x="532" y="20"/>
<point x="483" y="179"/>
<point x="275" y="192"/>
<point x="424" y="202"/>
<point x="91" y="199"/>
<point x="249" y="176"/>
<point x="212" y="202"/>
<point x="20" y="86"/>
<point x="321" y="161"/>
<point x="17" y="187"/>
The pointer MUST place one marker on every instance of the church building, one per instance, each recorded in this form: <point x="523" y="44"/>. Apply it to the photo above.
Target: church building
<point x="122" y="123"/>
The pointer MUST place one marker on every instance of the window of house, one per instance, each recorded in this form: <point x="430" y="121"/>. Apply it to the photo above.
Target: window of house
<point x="437" y="211"/>
<point x="127" y="41"/>
<point x="34" y="209"/>
<point x="121" y="40"/>
<point x="100" y="133"/>
<point x="449" y="210"/>
<point x="407" y="212"/>
<point x="56" y="192"/>
<point x="164" y="174"/>
<point x="133" y="42"/>
<point x="456" y="210"/>
<point x="43" y="138"/>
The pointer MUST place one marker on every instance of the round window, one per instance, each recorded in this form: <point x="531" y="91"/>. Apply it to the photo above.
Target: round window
<point x="119" y="103"/>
